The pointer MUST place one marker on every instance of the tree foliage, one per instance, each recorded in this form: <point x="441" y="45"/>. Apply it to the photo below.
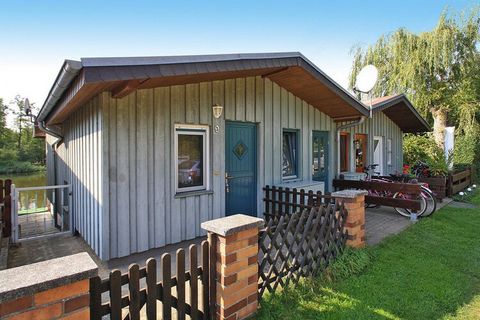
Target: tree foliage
<point x="19" y="150"/>
<point x="438" y="70"/>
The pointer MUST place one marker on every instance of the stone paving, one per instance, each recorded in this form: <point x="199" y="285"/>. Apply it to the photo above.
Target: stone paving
<point x="34" y="224"/>
<point x="385" y="221"/>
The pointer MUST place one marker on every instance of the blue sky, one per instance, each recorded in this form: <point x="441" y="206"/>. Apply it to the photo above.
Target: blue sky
<point x="36" y="36"/>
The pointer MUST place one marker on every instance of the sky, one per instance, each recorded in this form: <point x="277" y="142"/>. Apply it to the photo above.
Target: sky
<point x="36" y="36"/>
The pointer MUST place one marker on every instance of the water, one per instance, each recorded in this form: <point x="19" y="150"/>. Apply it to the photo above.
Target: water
<point x="29" y="200"/>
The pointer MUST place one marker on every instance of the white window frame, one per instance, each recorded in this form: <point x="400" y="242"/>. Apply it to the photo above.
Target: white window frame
<point x="200" y="130"/>
<point x="389" y="151"/>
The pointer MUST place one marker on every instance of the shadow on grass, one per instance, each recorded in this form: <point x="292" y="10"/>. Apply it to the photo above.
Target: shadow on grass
<point x="428" y="271"/>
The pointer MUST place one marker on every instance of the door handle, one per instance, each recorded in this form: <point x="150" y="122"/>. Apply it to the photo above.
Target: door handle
<point x="227" y="186"/>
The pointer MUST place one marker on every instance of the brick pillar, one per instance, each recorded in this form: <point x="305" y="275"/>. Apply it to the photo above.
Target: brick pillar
<point x="52" y="289"/>
<point x="354" y="201"/>
<point x="236" y="245"/>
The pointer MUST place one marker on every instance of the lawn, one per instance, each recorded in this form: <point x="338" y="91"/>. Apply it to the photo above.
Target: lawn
<point x="429" y="271"/>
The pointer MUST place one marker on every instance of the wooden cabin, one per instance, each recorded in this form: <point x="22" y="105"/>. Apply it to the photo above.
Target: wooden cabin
<point x="153" y="146"/>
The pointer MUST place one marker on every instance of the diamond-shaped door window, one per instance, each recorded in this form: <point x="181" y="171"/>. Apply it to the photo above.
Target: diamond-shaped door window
<point x="240" y="149"/>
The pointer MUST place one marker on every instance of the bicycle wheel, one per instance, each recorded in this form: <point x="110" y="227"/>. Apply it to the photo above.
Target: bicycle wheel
<point x="407" y="212"/>
<point x="431" y="202"/>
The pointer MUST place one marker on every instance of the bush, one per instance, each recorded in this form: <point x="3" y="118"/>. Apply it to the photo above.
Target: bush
<point x="423" y="148"/>
<point x="9" y="167"/>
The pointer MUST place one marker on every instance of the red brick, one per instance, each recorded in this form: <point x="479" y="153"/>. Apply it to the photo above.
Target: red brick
<point x="47" y="312"/>
<point x="83" y="314"/>
<point x="237" y="306"/>
<point x="60" y="293"/>
<point x="77" y="303"/>
<point x="16" y="305"/>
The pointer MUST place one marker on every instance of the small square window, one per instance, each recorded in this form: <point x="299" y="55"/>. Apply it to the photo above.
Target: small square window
<point x="290" y="154"/>
<point x="191" y="163"/>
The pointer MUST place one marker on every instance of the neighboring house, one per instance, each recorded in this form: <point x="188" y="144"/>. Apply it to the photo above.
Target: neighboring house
<point x="379" y="140"/>
<point x="148" y="161"/>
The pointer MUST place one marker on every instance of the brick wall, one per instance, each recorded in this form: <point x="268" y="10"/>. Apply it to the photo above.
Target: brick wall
<point x="53" y="289"/>
<point x="65" y="302"/>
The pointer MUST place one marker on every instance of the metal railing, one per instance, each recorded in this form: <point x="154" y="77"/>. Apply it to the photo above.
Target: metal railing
<point x="41" y="211"/>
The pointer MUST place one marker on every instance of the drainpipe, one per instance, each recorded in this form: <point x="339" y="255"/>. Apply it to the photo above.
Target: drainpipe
<point x="43" y="127"/>
<point x="340" y="128"/>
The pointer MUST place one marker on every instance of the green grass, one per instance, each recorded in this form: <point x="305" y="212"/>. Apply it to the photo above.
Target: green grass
<point x="429" y="271"/>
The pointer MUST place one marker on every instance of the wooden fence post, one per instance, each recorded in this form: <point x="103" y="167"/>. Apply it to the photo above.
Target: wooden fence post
<point x="236" y="239"/>
<point x="354" y="201"/>
<point x="7" y="208"/>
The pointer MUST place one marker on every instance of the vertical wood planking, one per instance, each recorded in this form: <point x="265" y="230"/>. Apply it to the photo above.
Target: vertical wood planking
<point x="150" y="168"/>
<point x="218" y="168"/>
<point x="167" y="173"/>
<point x="177" y="217"/>
<point x="240" y="99"/>
<point x="142" y="174"/>
<point x="268" y="131"/>
<point x="250" y="99"/>
<point x="160" y="151"/>
<point x="132" y="170"/>
<point x="277" y="135"/>
<point x="259" y="118"/>
<point x="229" y="105"/>
<point x="122" y="203"/>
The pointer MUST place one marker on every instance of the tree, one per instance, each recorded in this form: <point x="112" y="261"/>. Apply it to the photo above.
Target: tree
<point x="434" y="69"/>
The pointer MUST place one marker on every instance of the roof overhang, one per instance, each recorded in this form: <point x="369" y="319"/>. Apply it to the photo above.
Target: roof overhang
<point x="121" y="76"/>
<point x="401" y="111"/>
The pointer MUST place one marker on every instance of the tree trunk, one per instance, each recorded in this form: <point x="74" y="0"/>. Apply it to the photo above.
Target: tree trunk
<point x="439" y="124"/>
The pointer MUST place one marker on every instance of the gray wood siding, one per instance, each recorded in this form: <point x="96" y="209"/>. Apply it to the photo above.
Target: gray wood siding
<point x="79" y="163"/>
<point x="144" y="211"/>
<point x="379" y="125"/>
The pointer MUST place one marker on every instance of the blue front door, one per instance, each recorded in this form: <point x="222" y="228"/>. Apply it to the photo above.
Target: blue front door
<point x="240" y="168"/>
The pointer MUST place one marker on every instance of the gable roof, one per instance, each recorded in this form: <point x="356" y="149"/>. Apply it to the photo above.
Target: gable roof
<point x="401" y="111"/>
<point x="79" y="81"/>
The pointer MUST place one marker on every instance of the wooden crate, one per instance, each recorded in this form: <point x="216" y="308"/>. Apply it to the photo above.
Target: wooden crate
<point x="438" y="185"/>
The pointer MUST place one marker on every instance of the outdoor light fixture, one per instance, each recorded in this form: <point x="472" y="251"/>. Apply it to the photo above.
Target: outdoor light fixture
<point x="217" y="111"/>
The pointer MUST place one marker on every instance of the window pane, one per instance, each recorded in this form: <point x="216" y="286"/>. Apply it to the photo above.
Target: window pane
<point x="289" y="167"/>
<point x="190" y="160"/>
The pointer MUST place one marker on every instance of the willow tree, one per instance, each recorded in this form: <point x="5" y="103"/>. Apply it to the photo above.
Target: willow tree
<point x="429" y="67"/>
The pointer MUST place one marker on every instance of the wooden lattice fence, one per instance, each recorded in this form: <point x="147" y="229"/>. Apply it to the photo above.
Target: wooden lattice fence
<point x="187" y="293"/>
<point x="302" y="243"/>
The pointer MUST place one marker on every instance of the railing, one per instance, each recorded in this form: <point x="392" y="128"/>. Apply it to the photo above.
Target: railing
<point x="143" y="291"/>
<point x="40" y="211"/>
<point x="279" y="201"/>
<point x="387" y="188"/>
<point x="300" y="244"/>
